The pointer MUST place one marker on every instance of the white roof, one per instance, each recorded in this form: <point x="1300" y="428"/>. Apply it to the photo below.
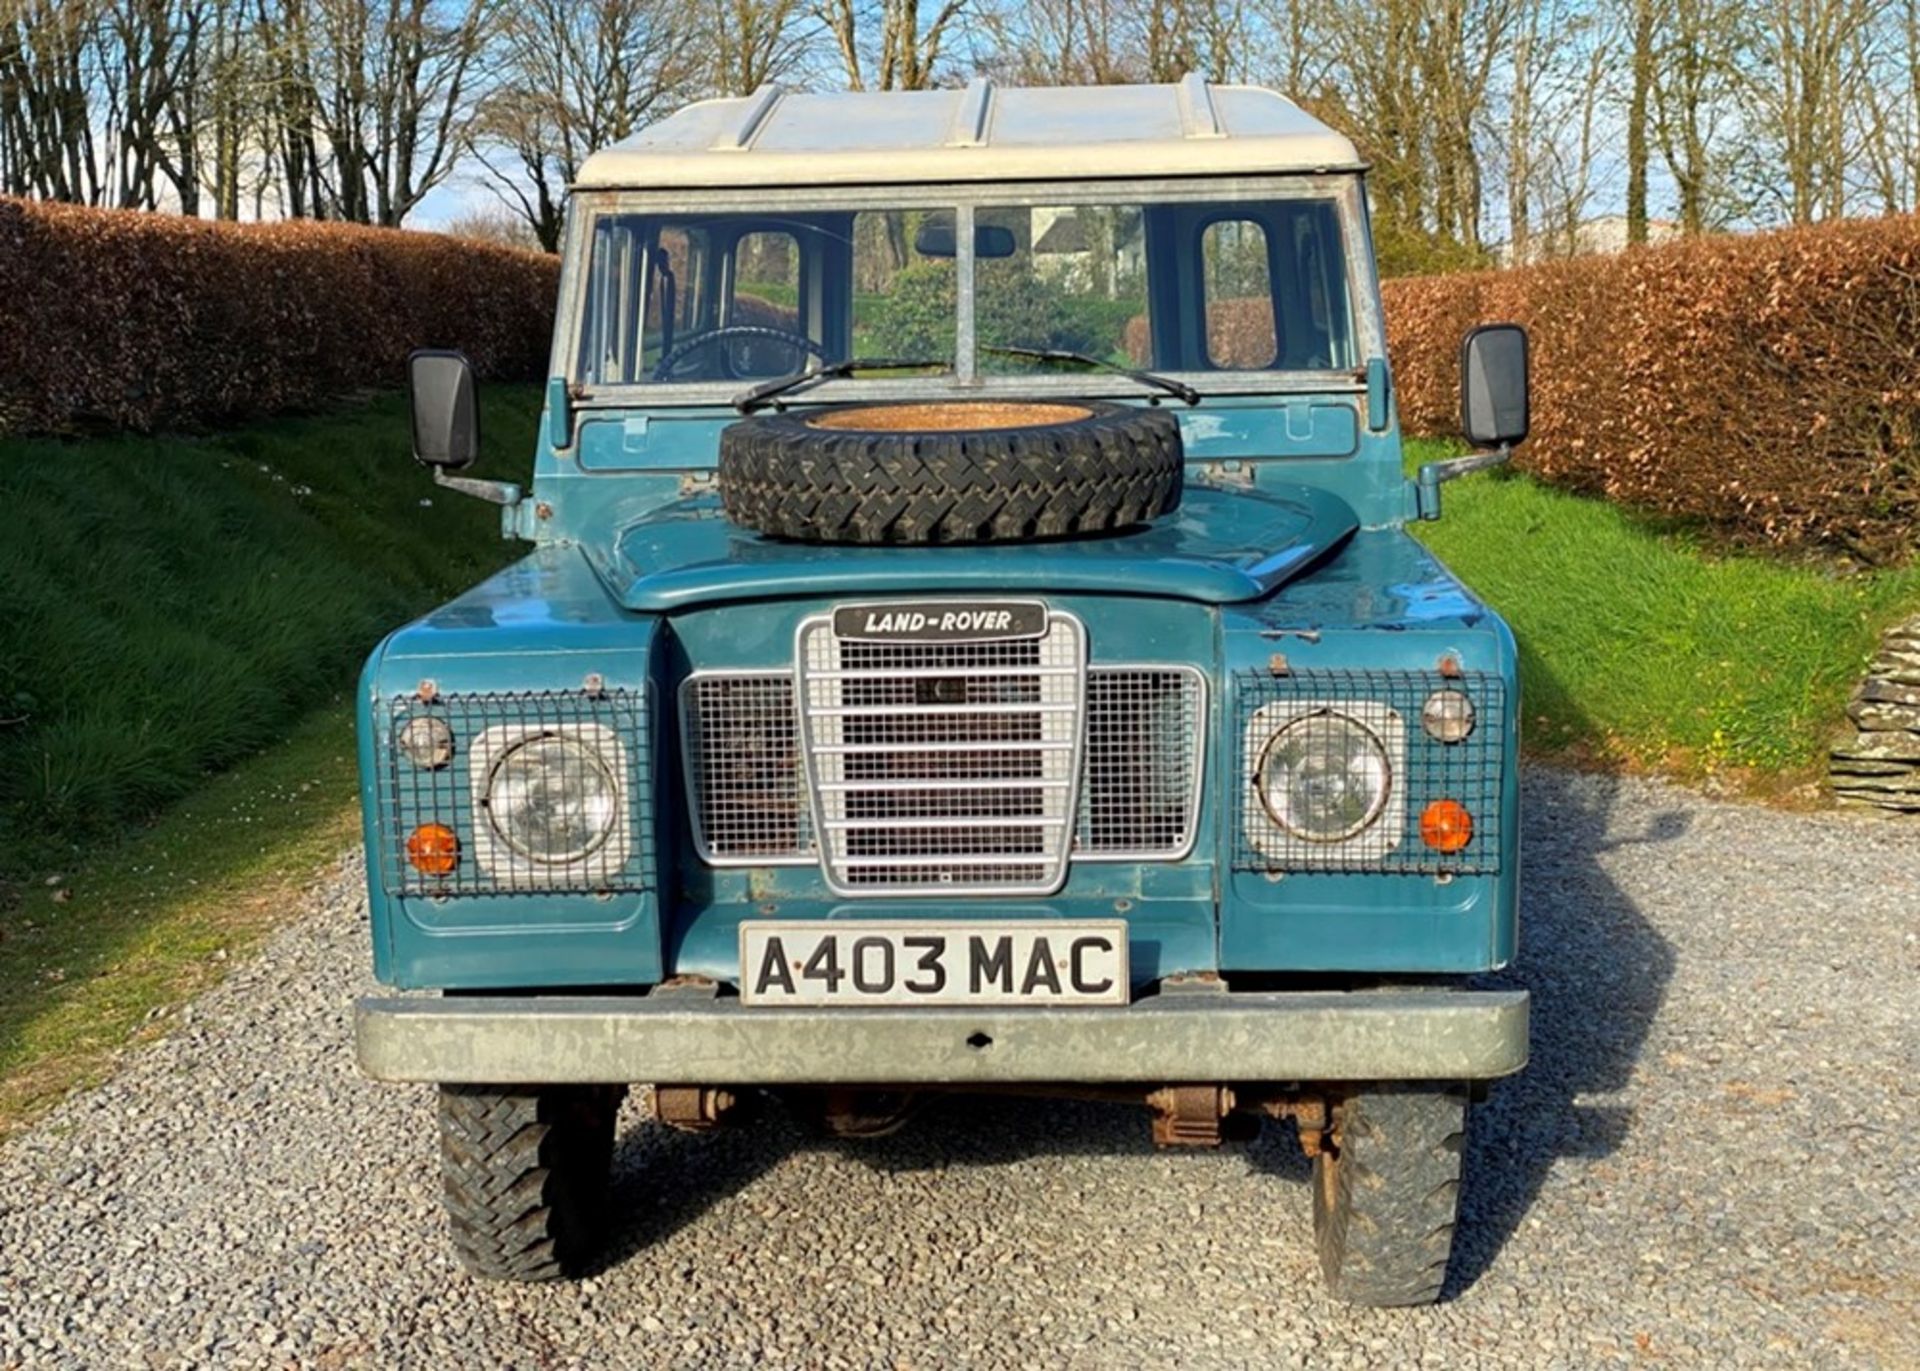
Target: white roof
<point x="981" y="133"/>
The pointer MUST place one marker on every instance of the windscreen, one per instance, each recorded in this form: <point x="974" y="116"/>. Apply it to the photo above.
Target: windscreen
<point x="1171" y="286"/>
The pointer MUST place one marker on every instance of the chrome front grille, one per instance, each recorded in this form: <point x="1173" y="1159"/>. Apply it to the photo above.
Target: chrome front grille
<point x="948" y="766"/>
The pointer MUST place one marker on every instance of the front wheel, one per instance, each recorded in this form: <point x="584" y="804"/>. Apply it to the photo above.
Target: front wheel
<point x="525" y="1172"/>
<point x="1386" y="1193"/>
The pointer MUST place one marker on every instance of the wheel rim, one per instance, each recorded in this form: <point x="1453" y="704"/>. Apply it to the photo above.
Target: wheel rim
<point x="948" y="417"/>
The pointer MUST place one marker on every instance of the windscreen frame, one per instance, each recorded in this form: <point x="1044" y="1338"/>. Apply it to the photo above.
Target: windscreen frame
<point x="1344" y="189"/>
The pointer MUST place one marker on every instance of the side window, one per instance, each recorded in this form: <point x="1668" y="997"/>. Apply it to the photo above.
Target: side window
<point x="1237" y="283"/>
<point x="607" y="340"/>
<point x="1316" y="332"/>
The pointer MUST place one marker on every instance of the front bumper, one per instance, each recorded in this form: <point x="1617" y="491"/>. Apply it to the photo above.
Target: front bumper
<point x="1193" y="1036"/>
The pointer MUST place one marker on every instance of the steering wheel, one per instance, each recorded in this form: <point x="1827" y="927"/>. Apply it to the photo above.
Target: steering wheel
<point x="664" y="367"/>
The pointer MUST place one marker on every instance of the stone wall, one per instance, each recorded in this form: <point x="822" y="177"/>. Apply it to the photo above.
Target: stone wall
<point x="1881" y="765"/>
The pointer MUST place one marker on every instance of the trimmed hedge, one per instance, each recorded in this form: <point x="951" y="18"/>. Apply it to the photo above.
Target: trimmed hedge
<point x="126" y="320"/>
<point x="1765" y="385"/>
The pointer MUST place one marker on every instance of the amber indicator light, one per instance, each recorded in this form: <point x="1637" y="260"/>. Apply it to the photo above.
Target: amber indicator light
<point x="433" y="849"/>
<point x="1445" y="826"/>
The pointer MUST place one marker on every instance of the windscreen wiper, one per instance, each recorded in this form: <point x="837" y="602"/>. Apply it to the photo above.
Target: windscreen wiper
<point x="1180" y="390"/>
<point x="747" y="401"/>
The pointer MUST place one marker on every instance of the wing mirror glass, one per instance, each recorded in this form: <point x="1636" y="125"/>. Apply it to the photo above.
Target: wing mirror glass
<point x="1493" y="408"/>
<point x="1493" y="385"/>
<point x="938" y="238"/>
<point x="446" y="411"/>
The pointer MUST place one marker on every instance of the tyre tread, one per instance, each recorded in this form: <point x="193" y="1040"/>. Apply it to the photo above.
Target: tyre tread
<point x="1386" y="1203"/>
<point x="1118" y="467"/>
<point x="524" y="1176"/>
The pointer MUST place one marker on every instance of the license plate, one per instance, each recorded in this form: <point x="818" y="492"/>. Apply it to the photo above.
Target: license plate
<point x="847" y="962"/>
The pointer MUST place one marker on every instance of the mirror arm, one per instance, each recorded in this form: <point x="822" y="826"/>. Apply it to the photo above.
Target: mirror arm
<point x="493" y="492"/>
<point x="1435" y="474"/>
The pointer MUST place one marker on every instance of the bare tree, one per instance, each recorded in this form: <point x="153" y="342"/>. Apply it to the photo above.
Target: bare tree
<point x="1564" y="165"/>
<point x="1461" y="47"/>
<point x="751" y="42"/>
<point x="1522" y="113"/>
<point x="573" y="77"/>
<point x="47" y="143"/>
<point x="1070" y="43"/>
<point x="289" y="103"/>
<point x="1412" y="82"/>
<point x="1800" y="90"/>
<point x="1521" y="133"/>
<point x="1887" y="116"/>
<point x="495" y="224"/>
<point x="1639" y="113"/>
<point x="227" y="123"/>
<point x="390" y="89"/>
<point x="1702" y="48"/>
<point x="907" y="51"/>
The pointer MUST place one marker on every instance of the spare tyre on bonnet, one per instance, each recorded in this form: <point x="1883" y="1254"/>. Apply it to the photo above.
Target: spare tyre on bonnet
<point x="970" y="471"/>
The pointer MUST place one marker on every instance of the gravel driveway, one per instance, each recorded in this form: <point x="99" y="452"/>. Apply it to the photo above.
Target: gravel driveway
<point x="1712" y="1160"/>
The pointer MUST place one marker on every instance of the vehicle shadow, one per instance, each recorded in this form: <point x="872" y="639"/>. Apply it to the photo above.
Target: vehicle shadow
<point x="665" y="1179"/>
<point x="1597" y="969"/>
<point x="1598" y="972"/>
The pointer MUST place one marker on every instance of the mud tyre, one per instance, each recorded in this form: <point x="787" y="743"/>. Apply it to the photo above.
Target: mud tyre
<point x="525" y="1175"/>
<point x="951" y="472"/>
<point x="1386" y="1195"/>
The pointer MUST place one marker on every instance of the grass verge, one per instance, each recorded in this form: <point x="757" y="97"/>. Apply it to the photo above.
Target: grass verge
<point x="95" y="960"/>
<point x="181" y="622"/>
<point x="1644" y="647"/>
<point x="170" y="605"/>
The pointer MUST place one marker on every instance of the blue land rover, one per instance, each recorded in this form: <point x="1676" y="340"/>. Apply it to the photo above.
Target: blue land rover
<point x="970" y="642"/>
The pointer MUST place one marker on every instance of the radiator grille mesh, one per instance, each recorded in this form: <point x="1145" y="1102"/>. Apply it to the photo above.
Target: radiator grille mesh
<point x="1139" y="788"/>
<point x="741" y="748"/>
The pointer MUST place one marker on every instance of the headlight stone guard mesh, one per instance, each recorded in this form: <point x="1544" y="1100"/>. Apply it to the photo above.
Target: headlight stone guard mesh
<point x="486" y="728"/>
<point x="1471" y="771"/>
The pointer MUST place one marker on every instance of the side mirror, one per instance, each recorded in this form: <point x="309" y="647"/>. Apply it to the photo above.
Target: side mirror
<point x="1493" y="385"/>
<point x="1493" y="408"/>
<point x="446" y="426"/>
<point x="938" y="238"/>
<point x="446" y="412"/>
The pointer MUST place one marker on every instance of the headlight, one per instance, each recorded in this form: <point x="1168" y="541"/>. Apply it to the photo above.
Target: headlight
<point x="1447" y="716"/>
<point x="552" y="799"/>
<point x="1324" y="777"/>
